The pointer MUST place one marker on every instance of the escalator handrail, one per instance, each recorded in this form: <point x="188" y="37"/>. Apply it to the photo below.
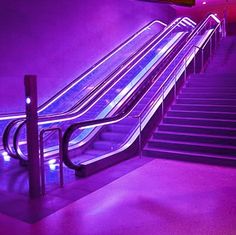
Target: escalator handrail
<point x="194" y="34"/>
<point x="72" y="112"/>
<point x="16" y="143"/>
<point x="150" y="106"/>
<point x="202" y="24"/>
<point x="17" y="122"/>
<point x="147" y="107"/>
<point x="76" y="80"/>
<point x="101" y="122"/>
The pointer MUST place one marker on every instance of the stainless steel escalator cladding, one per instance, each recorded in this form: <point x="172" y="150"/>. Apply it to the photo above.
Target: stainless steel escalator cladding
<point x="112" y="136"/>
<point x="156" y="51"/>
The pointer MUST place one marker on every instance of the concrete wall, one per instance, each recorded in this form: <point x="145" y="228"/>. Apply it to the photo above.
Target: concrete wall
<point x="58" y="40"/>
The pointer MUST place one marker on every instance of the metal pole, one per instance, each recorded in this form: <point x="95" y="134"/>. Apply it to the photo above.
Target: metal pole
<point x="202" y="65"/>
<point x="175" y="88"/>
<point x="61" y="159"/>
<point x="185" y="70"/>
<point x="140" y="137"/>
<point x="30" y="82"/>
<point x="42" y="157"/>
<point x="210" y="48"/>
<point x="162" y="107"/>
<point x="42" y="163"/>
<point x="225" y="17"/>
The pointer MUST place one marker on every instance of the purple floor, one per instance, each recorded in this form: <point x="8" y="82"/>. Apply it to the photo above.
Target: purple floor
<point x="14" y="188"/>
<point x="161" y="197"/>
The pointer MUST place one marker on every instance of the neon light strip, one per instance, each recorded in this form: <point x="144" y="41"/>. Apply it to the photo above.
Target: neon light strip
<point x="153" y="109"/>
<point x="164" y="48"/>
<point x="72" y="85"/>
<point x="80" y="114"/>
<point x="81" y="142"/>
<point x="190" y="22"/>
<point x="60" y="119"/>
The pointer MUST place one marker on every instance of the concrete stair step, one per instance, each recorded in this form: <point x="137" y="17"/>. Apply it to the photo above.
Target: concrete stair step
<point x="211" y="82"/>
<point x="208" y="108"/>
<point x="212" y="76"/>
<point x="210" y="85"/>
<point x="220" y="131"/>
<point x="205" y="101"/>
<point x="193" y="147"/>
<point x="208" y="95"/>
<point x="195" y="137"/>
<point x="200" y="122"/>
<point x="189" y="156"/>
<point x="201" y="114"/>
<point x="202" y="90"/>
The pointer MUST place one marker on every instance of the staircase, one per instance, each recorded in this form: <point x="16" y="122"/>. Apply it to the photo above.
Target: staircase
<point x="200" y="125"/>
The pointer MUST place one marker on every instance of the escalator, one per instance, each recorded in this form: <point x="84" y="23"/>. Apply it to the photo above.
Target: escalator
<point x="115" y="95"/>
<point x="93" y="145"/>
<point x="96" y="77"/>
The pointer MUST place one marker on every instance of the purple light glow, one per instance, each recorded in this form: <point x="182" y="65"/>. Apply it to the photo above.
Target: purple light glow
<point x="28" y="100"/>
<point x="53" y="164"/>
<point x="6" y="157"/>
<point x="59" y="42"/>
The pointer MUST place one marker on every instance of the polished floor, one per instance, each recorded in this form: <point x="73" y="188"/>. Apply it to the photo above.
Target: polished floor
<point x="159" y="197"/>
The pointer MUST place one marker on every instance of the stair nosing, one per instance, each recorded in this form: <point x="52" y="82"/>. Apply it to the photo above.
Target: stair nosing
<point x="193" y="143"/>
<point x="199" y="111"/>
<point x="191" y="153"/>
<point x="206" y="119"/>
<point x="195" y="134"/>
<point x="200" y="126"/>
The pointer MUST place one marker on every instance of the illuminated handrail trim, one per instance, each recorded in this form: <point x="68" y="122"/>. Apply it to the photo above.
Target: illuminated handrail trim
<point x="77" y="80"/>
<point x="151" y="106"/>
<point x="106" y="121"/>
<point x="16" y="135"/>
<point x="70" y="118"/>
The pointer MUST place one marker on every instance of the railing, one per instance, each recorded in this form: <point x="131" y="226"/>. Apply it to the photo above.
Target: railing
<point x="181" y="62"/>
<point x="45" y="120"/>
<point x="78" y="79"/>
<point x="124" y="114"/>
<point x="42" y="160"/>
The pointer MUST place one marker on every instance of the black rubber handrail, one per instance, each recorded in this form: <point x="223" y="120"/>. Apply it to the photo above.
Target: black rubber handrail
<point x="147" y="107"/>
<point x="109" y="120"/>
<point x="16" y="141"/>
<point x="15" y="122"/>
<point x="84" y="73"/>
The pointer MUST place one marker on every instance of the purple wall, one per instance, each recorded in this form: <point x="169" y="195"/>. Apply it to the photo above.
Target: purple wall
<point x="58" y="40"/>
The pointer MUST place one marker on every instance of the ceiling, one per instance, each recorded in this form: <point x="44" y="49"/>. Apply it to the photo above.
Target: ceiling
<point x="203" y="7"/>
